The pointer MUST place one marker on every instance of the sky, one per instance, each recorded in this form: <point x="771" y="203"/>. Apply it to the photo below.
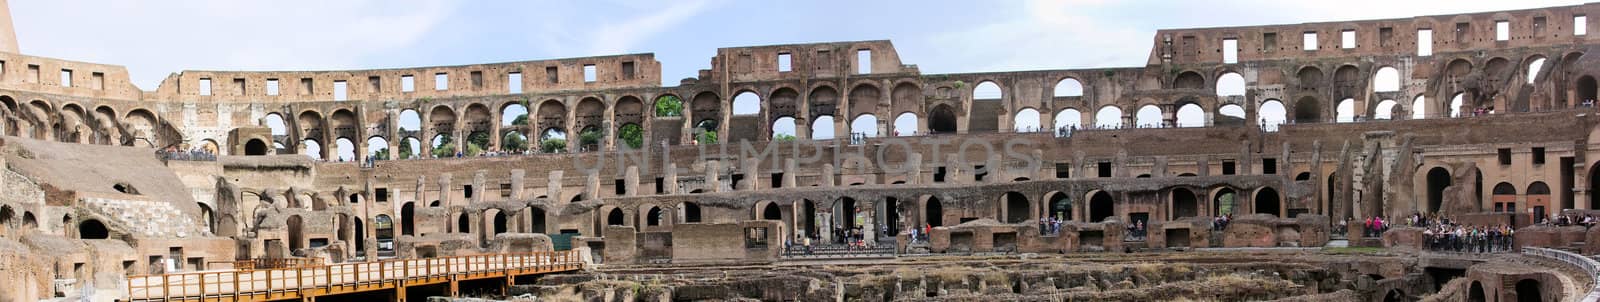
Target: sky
<point x="156" y="38"/>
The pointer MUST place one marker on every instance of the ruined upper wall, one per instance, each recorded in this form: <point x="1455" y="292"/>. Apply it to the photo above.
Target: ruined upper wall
<point x="1549" y="26"/>
<point x="620" y="71"/>
<point x="64" y="77"/>
<point x="809" y="60"/>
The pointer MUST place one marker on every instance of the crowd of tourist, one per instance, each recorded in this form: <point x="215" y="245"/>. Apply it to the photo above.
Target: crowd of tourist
<point x="1136" y="231"/>
<point x="173" y="153"/>
<point x="1585" y="220"/>
<point x="1049" y="226"/>
<point x="1220" y="222"/>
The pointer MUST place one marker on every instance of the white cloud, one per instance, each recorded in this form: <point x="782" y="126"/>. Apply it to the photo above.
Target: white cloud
<point x="623" y="37"/>
<point x="155" y="38"/>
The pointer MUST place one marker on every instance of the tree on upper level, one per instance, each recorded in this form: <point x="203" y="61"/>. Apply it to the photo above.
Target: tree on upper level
<point x="632" y="135"/>
<point x="669" y="105"/>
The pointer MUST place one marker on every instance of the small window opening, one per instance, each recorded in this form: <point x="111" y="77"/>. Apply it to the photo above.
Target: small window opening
<point x="205" y="85"/>
<point x="1347" y="39"/>
<point x="621" y="186"/>
<point x="1580" y="25"/>
<point x="1309" y="40"/>
<point x="864" y="61"/>
<point x="466" y="191"/>
<point x="589" y="73"/>
<point x="477" y="80"/>
<point x="381" y="194"/>
<point x="1502" y="30"/>
<point x="1230" y="51"/>
<point x="1228" y="167"/>
<point x="1269" y="166"/>
<point x="375" y="83"/>
<point x="785" y="62"/>
<point x="66" y="78"/>
<point x="552" y="75"/>
<point x="514" y="83"/>
<point x="1104" y="169"/>
<point x="1424" y="42"/>
<point x="305" y="86"/>
<point x="777" y="180"/>
<point x="661" y="185"/>
<point x="1505" y="156"/>
<point x="272" y="86"/>
<point x="441" y="81"/>
<point x="340" y="91"/>
<point x="1063" y="170"/>
<point x="938" y="174"/>
<point x="627" y="70"/>
<point x="408" y="83"/>
<point x="1538" y="155"/>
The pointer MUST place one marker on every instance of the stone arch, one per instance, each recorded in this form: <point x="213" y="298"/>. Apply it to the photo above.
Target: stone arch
<point x="1183" y="204"/>
<point x="1026" y="120"/>
<point x="1529" y="290"/>
<point x="1307" y="110"/>
<point x="1437" y="180"/>
<point x="1191" y="115"/>
<point x="1189" y="80"/>
<point x="1310" y="77"/>
<point x="1475" y="292"/>
<point x="746" y="102"/>
<point x="1267" y="201"/>
<point x="1585" y="89"/>
<point x="408" y="218"/>
<point x="1108" y="117"/>
<point x="1271" y="114"/>
<point x="255" y="147"/>
<point x="141" y="125"/>
<point x="1149" y="116"/>
<point x="1101" y="206"/>
<point x="784" y="102"/>
<point x="1058" y="205"/>
<point x="1347" y="79"/>
<point x="1386" y="79"/>
<point x="933" y="211"/>
<point x="865" y="99"/>
<point x="1385" y="110"/>
<point x="942" y="119"/>
<point x="93" y="229"/>
<point x="822" y="101"/>
<point x="1224" y="201"/>
<point x="690" y="212"/>
<point x="1068" y="87"/>
<point x="1017" y="208"/>
<point x="1230" y="84"/>
<point x="1345" y="111"/>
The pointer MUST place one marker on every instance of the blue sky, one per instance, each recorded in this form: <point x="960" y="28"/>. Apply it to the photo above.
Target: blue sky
<point x="156" y="38"/>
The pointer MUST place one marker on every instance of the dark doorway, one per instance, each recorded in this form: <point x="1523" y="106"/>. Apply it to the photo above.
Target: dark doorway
<point x="942" y="119"/>
<point x="92" y="229"/>
<point x="691" y="212"/>
<point x="1267" y="202"/>
<point x="1438" y="179"/>
<point x="1016" y="207"/>
<point x="1060" y="206"/>
<point x="771" y="212"/>
<point x="407" y="219"/>
<point x="1184" y="204"/>
<point x="255" y="147"/>
<point x="934" y="212"/>
<point x="1101" y="207"/>
<point x="1528" y="290"/>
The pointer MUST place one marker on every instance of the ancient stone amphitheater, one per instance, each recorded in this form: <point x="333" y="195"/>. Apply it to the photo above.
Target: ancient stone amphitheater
<point x="1239" y="163"/>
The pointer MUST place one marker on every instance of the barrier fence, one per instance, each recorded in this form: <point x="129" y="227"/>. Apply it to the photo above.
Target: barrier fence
<point x="329" y="279"/>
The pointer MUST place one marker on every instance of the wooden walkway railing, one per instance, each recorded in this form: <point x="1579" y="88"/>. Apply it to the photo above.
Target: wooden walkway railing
<point x="341" y="278"/>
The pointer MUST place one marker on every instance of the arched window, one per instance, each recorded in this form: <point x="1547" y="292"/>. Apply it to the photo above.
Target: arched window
<point x="1069" y="87"/>
<point x="1272" y="114"/>
<point x="1419" y="108"/>
<point x="1230" y="84"/>
<point x="1387" y="79"/>
<point x="987" y="91"/>
<point x="1026" y="120"/>
<point x="1069" y="118"/>
<point x="1385" y="110"/>
<point x="1191" y="115"/>
<point x="822" y="128"/>
<point x="746" y="103"/>
<point x="1148" y="116"/>
<point x="1109" y="117"/>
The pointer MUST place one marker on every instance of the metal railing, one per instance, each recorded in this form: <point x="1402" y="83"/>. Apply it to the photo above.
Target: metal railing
<point x="290" y="283"/>
<point x="1589" y="266"/>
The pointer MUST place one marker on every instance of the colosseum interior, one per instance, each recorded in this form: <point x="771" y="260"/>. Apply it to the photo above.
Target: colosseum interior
<point x="585" y="179"/>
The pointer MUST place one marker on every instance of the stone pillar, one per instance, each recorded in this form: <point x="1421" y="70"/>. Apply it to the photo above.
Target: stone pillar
<point x="669" y="179"/>
<point x="553" y="186"/>
<point x="630" y="181"/>
<point x="789" y="170"/>
<point x="444" y="190"/>
<point x="477" y="186"/>
<point x="713" y="181"/>
<point x="752" y="175"/>
<point x="518" y="176"/>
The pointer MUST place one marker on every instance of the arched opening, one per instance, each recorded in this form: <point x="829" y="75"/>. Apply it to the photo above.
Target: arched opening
<point x="255" y="147"/>
<point x="1272" y="113"/>
<point x="615" y="217"/>
<point x="1438" y="179"/>
<point x="845" y="213"/>
<point x="1109" y="117"/>
<point x="783" y="128"/>
<point x="1223" y="202"/>
<point x="1387" y="79"/>
<point x="1068" y="119"/>
<point x="92" y="229"/>
<point x="933" y="211"/>
<point x="771" y="212"/>
<point x="407" y="219"/>
<point x="1101" y="207"/>
<point x="822" y="128"/>
<point x="312" y="149"/>
<point x="1585" y="89"/>
<point x="1419" y="108"/>
<point x="905" y="124"/>
<point x="500" y="222"/>
<point x="1475" y="293"/>
<point x="1504" y="197"/>
<point x="888" y="214"/>
<point x="360" y="238"/>
<point x="1191" y="115"/>
<point x="1534" y="68"/>
<point x="346" y="149"/>
<point x="1060" y="206"/>
<point x="653" y="216"/>
<point x="1306" y="110"/>
<point x="691" y="212"/>
<point x="1345" y="112"/>
<point x="807" y="218"/>
<point x="378" y="148"/>
<point x="1230" y="84"/>
<point x="207" y="217"/>
<point x="297" y="233"/>
<point x="1026" y="120"/>
<point x="1456" y="103"/>
<point x="865" y="125"/>
<point x="1231" y="115"/>
<point x="1016" y="207"/>
<point x="987" y="91"/>
<point x="746" y="103"/>
<point x="1385" y="110"/>
<point x="631" y="136"/>
<point x="1184" y="204"/>
<point x="942" y="119"/>
<point x="536" y="220"/>
<point x="1189" y="80"/>
<point x="463" y="223"/>
<point x="1069" y="87"/>
<point x="1528" y="290"/>
<point x="383" y="228"/>
<point x="1148" y="116"/>
<point x="1267" y="202"/>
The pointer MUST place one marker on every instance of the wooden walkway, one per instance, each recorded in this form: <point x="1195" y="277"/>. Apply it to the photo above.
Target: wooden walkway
<point x="343" y="278"/>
